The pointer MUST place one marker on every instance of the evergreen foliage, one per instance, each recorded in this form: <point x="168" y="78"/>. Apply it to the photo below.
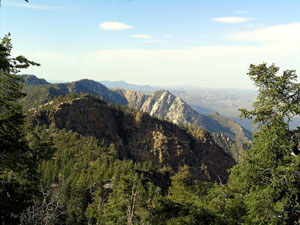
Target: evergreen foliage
<point x="98" y="188"/>
<point x="19" y="156"/>
<point x="265" y="185"/>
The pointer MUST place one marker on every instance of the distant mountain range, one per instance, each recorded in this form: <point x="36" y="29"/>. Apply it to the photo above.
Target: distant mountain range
<point x="165" y="105"/>
<point x="133" y="87"/>
<point x="161" y="103"/>
<point x="204" y="101"/>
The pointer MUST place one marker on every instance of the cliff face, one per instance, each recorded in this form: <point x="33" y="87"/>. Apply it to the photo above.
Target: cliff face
<point x="167" y="106"/>
<point x="140" y="137"/>
<point x="228" y="134"/>
<point x="160" y="103"/>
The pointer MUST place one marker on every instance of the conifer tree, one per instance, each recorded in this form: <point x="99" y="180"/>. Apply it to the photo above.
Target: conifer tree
<point x="18" y="162"/>
<point x="266" y="183"/>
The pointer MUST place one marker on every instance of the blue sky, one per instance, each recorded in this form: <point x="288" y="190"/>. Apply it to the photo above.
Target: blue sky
<point x="157" y="42"/>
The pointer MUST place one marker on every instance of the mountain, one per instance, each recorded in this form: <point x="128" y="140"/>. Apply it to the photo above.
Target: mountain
<point x="138" y="136"/>
<point x="96" y="89"/>
<point x="203" y="100"/>
<point x="165" y="105"/>
<point x="33" y="80"/>
<point x="160" y="103"/>
<point x="231" y="136"/>
<point x="39" y="92"/>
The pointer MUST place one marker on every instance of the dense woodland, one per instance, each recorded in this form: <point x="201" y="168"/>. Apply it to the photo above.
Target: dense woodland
<point x="56" y="176"/>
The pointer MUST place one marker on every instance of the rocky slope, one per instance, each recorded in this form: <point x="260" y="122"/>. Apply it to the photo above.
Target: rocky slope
<point x="138" y="136"/>
<point x="232" y="137"/>
<point x="165" y="105"/>
<point x="160" y="103"/>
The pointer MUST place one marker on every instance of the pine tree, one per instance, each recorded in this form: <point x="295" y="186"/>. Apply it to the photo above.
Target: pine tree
<point x="18" y="162"/>
<point x="266" y="183"/>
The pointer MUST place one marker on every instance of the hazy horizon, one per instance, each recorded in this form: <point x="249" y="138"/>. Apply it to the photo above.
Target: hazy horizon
<point x="179" y="86"/>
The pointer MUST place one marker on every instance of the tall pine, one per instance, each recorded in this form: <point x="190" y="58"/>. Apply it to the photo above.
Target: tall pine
<point x="18" y="162"/>
<point x="267" y="182"/>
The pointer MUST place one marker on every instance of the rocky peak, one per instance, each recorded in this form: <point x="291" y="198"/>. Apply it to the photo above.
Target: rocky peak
<point x="160" y="93"/>
<point x="165" y="105"/>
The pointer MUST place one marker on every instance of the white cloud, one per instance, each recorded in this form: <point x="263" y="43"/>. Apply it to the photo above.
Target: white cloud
<point x="141" y="36"/>
<point x="30" y="6"/>
<point x="241" y="12"/>
<point x="153" y="41"/>
<point x="285" y="34"/>
<point x="231" y="19"/>
<point x="169" y="35"/>
<point x="147" y="38"/>
<point x="131" y="53"/>
<point x="114" y="26"/>
<point x="197" y="53"/>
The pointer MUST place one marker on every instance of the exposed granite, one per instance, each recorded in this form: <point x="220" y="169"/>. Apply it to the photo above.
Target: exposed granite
<point x="140" y="137"/>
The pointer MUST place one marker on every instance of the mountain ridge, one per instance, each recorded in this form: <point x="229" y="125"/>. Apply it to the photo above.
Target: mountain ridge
<point x="165" y="105"/>
<point x="138" y="136"/>
<point x="161" y="103"/>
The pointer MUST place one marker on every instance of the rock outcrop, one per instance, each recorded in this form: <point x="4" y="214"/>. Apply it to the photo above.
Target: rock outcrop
<point x="161" y="104"/>
<point x="165" y="105"/>
<point x="140" y="137"/>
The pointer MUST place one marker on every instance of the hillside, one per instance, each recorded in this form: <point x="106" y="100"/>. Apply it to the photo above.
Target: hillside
<point x="33" y="80"/>
<point x="203" y="100"/>
<point x="161" y="104"/>
<point x="38" y="92"/>
<point x="140" y="137"/>
<point x="165" y="105"/>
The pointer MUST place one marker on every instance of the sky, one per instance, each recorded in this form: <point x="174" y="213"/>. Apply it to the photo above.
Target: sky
<point x="204" y="43"/>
